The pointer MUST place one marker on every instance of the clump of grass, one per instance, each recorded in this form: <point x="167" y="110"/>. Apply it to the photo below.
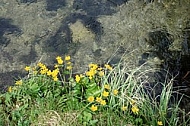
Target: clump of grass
<point x="101" y="96"/>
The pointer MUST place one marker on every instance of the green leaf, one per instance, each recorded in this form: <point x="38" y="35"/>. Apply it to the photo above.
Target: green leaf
<point x="138" y="121"/>
<point x="85" y="81"/>
<point x="80" y="118"/>
<point x="34" y="87"/>
<point x="92" y="91"/>
<point x="77" y="90"/>
<point x="87" y="116"/>
<point x="93" y="122"/>
<point x="66" y="72"/>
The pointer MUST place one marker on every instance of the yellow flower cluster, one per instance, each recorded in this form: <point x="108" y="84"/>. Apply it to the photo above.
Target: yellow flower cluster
<point x="30" y="69"/>
<point x="44" y="70"/>
<point x="98" y="100"/>
<point x="67" y="62"/>
<point x="106" y="92"/>
<point x="17" y="83"/>
<point x="78" y="77"/>
<point x="108" y="88"/>
<point x="52" y="73"/>
<point x="134" y="107"/>
<point x="93" y="66"/>
<point x="91" y="73"/>
<point x="95" y="69"/>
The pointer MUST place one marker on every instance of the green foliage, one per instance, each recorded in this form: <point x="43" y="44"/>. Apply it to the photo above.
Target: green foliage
<point x="100" y="96"/>
<point x="86" y="119"/>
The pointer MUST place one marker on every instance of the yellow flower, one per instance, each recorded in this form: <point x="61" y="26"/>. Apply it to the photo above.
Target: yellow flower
<point x="103" y="102"/>
<point x="55" y="78"/>
<point x="19" y="82"/>
<point x="101" y="73"/>
<point x="56" y="66"/>
<point x="106" y="86"/>
<point x="93" y="66"/>
<point x="40" y="64"/>
<point x="27" y="68"/>
<point x="91" y="73"/>
<point x="90" y="77"/>
<point x="94" y="108"/>
<point x="9" y="89"/>
<point x="115" y="91"/>
<point x="44" y="71"/>
<point x="124" y="108"/>
<point x="160" y="123"/>
<point x="108" y="67"/>
<point x="43" y="67"/>
<point x="59" y="60"/>
<point x="69" y="63"/>
<point x="90" y="99"/>
<point x="69" y="67"/>
<point x="105" y="94"/>
<point x="67" y="58"/>
<point x="81" y="75"/>
<point x="135" y="109"/>
<point x="49" y="72"/>
<point x="98" y="99"/>
<point x="100" y="68"/>
<point x="77" y="78"/>
<point x="54" y="73"/>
